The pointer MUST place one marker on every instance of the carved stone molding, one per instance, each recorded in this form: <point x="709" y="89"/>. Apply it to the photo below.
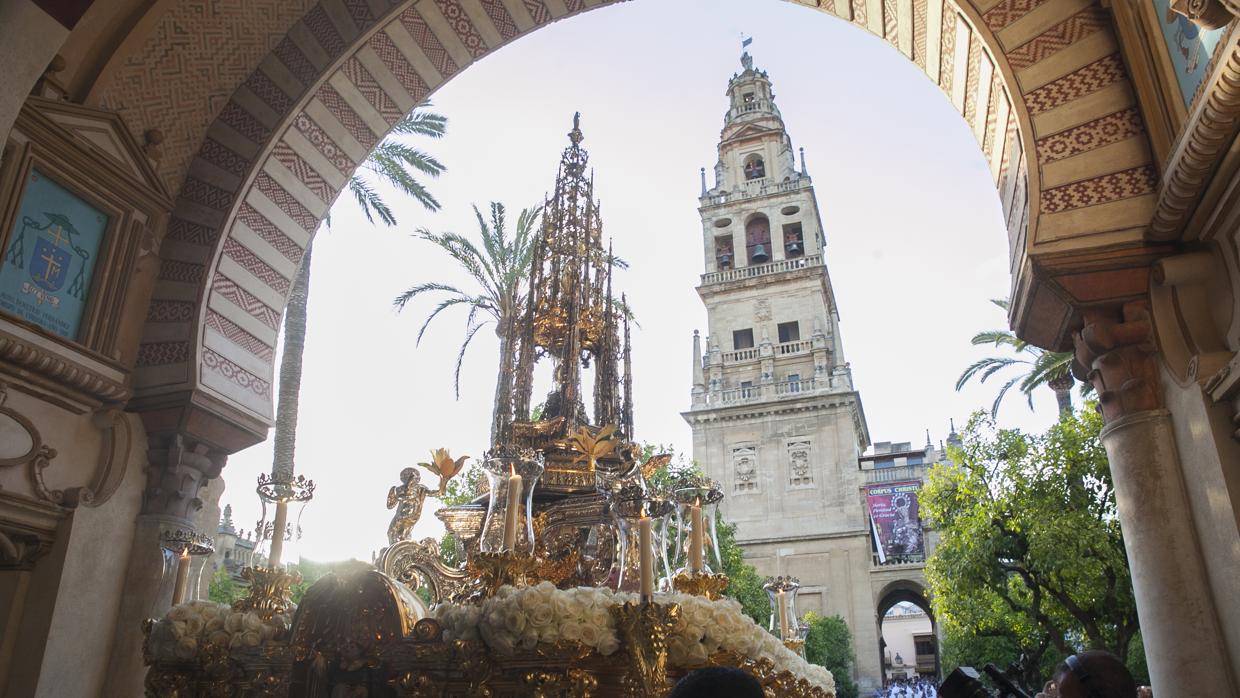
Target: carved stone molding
<point x="58" y="373"/>
<point x="24" y="446"/>
<point x="1207" y="14"/>
<point x="1206" y="137"/>
<point x="178" y="468"/>
<point x="1225" y="386"/>
<point x="1116" y="353"/>
<point x="27" y="530"/>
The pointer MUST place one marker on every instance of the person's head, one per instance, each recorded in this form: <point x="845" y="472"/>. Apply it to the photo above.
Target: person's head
<point x="717" y="682"/>
<point x="1094" y="674"/>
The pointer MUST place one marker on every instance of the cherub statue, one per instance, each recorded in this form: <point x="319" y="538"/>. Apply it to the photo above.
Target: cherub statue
<point x="407" y="499"/>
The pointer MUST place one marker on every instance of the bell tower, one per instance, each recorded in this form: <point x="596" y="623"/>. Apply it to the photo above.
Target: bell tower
<point x="775" y="417"/>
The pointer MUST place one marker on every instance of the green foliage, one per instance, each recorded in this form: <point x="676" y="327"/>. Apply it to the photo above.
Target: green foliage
<point x="394" y="163"/>
<point x="1030" y="549"/>
<point x="223" y="589"/>
<point x="829" y="644"/>
<point x="310" y="572"/>
<point x="464" y="488"/>
<point x="744" y="582"/>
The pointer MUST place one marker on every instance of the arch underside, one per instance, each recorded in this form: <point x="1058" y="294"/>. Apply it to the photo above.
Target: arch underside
<point x="1040" y="82"/>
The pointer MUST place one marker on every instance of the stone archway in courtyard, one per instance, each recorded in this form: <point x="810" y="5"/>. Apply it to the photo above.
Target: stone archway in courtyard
<point x="904" y="591"/>
<point x="1040" y="82"/>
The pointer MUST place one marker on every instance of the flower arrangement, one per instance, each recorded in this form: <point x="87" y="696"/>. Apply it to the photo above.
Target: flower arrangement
<point x="521" y="618"/>
<point x="189" y="627"/>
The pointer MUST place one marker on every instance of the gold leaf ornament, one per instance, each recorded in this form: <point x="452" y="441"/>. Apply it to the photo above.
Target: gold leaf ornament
<point x="592" y="446"/>
<point x="444" y="466"/>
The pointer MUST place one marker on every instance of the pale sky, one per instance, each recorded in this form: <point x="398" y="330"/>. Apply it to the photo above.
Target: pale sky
<point x="915" y="241"/>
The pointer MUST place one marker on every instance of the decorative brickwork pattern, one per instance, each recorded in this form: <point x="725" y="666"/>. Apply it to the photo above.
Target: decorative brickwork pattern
<point x="223" y="157"/>
<point x="173" y="270"/>
<point x="204" y="194"/>
<point x="188" y="231"/>
<point x="346" y="116"/>
<point x="428" y="42"/>
<point x="270" y="234"/>
<point x="891" y="23"/>
<point x="287" y="203"/>
<point x="500" y="18"/>
<point x="324" y="32"/>
<point x="1059" y="37"/>
<point x="1100" y="190"/>
<point x="919" y="32"/>
<point x="359" y="12"/>
<point x="1009" y="11"/>
<point x="162" y="353"/>
<point x="230" y="291"/>
<point x="860" y="16"/>
<point x="992" y="115"/>
<point x="217" y="363"/>
<point x="285" y="155"/>
<point x="244" y="123"/>
<point x="233" y="333"/>
<point x="323" y="143"/>
<point x="971" y="77"/>
<point x="947" y="49"/>
<point x="171" y="311"/>
<point x="395" y="61"/>
<point x="250" y="262"/>
<point x="266" y="89"/>
<point x="1091" y="78"/>
<point x="370" y="89"/>
<point x="538" y="11"/>
<point x="1106" y="130"/>
<point x="463" y="26"/>
<point x="292" y="57"/>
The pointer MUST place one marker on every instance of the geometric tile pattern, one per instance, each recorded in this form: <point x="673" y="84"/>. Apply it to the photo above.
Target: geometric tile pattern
<point x="1085" y="80"/>
<point x="1008" y="11"/>
<point x="1105" y="130"/>
<point x="286" y="77"/>
<point x="1059" y="37"/>
<point x="1100" y="190"/>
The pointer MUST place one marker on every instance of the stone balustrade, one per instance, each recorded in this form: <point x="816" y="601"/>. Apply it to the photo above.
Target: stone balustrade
<point x="754" y="271"/>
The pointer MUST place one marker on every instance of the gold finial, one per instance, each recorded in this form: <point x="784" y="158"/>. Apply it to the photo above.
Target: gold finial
<point x="575" y="135"/>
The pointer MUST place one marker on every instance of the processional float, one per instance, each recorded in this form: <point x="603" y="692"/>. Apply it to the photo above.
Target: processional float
<point x="582" y="568"/>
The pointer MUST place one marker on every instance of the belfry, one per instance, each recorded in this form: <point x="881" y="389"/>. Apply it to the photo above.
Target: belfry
<point x="775" y="416"/>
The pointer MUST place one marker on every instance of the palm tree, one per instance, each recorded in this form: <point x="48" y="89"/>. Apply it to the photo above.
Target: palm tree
<point x="393" y="162"/>
<point x="499" y="270"/>
<point x="1052" y="369"/>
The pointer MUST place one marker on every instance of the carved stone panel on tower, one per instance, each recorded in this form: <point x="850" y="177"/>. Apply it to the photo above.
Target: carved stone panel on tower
<point x="800" y="473"/>
<point x="745" y="469"/>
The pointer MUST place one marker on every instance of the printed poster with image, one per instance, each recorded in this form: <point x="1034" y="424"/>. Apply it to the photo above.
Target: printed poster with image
<point x="50" y="256"/>
<point x="895" y="520"/>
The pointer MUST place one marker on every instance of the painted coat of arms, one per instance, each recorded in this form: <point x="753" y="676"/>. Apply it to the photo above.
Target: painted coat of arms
<point x="50" y="256"/>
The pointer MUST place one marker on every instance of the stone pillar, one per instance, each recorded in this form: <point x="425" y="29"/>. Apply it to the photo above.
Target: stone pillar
<point x="178" y="469"/>
<point x="699" y="376"/>
<point x="1179" y="625"/>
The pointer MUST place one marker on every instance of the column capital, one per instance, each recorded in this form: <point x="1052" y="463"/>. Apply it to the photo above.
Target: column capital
<point x="1115" y="351"/>
<point x="178" y="469"/>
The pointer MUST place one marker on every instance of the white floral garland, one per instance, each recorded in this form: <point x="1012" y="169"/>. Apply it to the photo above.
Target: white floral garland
<point x="521" y="618"/>
<point x="190" y="626"/>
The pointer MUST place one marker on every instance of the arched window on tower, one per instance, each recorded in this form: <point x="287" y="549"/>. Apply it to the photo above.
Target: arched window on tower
<point x="724" y="256"/>
<point x="754" y="167"/>
<point x="758" y="240"/>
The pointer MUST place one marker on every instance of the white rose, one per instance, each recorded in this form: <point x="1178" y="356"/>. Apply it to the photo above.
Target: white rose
<point x="251" y="638"/>
<point x="178" y="629"/>
<point x="591" y="635"/>
<point x="194" y="625"/>
<point x="572" y="631"/>
<point x="234" y="622"/>
<point x="186" y="648"/>
<point x="250" y="621"/>
<point x="214" y="624"/>
<point x="514" y="621"/>
<point x="540" y="614"/>
<point x="529" y="638"/>
<point x="218" y="637"/>
<point x="179" y="612"/>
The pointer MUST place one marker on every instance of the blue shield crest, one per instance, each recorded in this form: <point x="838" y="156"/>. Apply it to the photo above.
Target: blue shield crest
<point x="49" y="267"/>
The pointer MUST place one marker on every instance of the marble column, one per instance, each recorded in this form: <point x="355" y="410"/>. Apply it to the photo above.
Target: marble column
<point x="177" y="472"/>
<point x="1183" y="641"/>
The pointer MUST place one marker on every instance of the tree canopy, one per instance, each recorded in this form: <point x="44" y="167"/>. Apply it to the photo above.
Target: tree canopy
<point x="1031" y="550"/>
<point x="829" y="644"/>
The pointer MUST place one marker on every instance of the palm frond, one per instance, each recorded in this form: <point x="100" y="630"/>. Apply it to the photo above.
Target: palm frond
<point x="443" y="305"/>
<point x="422" y="123"/>
<point x="460" y="357"/>
<point x="403" y="299"/>
<point x="994" y="408"/>
<point x="988" y="365"/>
<point x="370" y="201"/>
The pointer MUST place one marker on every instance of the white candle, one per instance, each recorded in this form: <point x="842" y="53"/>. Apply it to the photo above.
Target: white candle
<point x="510" y="514"/>
<point x="783" y="615"/>
<point x="277" y="534"/>
<point x="178" y="591"/>
<point x="647" y="557"/>
<point x="695" y="537"/>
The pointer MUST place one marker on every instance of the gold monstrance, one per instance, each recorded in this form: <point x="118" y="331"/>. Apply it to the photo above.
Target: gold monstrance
<point x="572" y="575"/>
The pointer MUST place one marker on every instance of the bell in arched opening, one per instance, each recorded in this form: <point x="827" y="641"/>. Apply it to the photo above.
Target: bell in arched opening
<point x="759" y="254"/>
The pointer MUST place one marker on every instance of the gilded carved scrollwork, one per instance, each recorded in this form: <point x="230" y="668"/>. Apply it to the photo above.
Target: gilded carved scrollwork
<point x="418" y="563"/>
<point x="1207" y="14"/>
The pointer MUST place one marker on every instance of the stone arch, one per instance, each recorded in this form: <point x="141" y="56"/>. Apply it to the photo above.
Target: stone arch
<point x="1040" y="82"/>
<point x="898" y="591"/>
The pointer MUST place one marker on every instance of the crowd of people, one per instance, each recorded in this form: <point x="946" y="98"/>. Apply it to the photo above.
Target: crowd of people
<point x="919" y="687"/>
